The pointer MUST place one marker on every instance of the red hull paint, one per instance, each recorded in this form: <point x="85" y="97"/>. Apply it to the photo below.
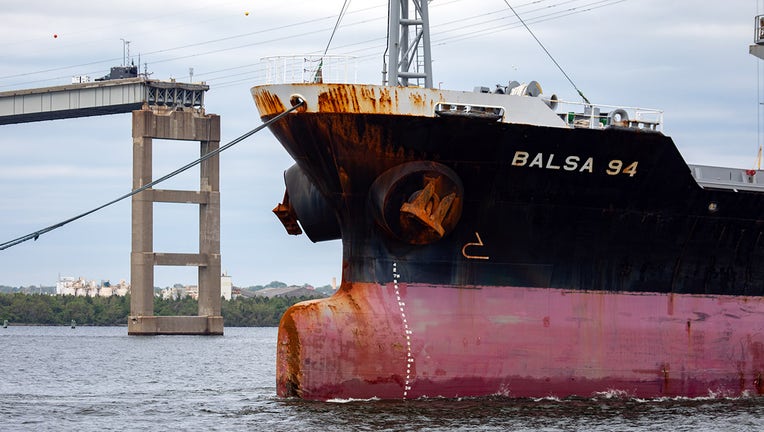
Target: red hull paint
<point x="415" y="340"/>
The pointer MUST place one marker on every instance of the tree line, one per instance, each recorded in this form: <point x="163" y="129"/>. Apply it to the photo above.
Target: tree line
<point x="40" y="309"/>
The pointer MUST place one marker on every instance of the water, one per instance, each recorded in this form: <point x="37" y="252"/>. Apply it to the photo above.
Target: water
<point x="98" y="378"/>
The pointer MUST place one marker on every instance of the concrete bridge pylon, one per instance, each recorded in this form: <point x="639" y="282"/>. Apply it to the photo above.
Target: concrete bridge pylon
<point x="187" y="124"/>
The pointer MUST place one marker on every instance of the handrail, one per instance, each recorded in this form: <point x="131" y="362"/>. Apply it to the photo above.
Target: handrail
<point x="310" y="69"/>
<point x="596" y="116"/>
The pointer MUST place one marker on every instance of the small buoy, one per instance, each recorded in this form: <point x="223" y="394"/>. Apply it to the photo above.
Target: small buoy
<point x="246" y="13"/>
<point x="74" y="323"/>
<point x="55" y="36"/>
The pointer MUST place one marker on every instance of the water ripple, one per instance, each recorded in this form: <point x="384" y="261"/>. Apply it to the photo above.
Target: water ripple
<point x="96" y="379"/>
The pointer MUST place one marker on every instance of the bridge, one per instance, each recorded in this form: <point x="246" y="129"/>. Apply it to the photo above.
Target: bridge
<point x="161" y="110"/>
<point x="97" y="98"/>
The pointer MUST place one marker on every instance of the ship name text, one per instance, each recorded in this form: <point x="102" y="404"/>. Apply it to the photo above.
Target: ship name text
<point x="572" y="163"/>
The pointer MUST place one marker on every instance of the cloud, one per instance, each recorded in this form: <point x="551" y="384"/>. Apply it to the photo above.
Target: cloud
<point x="56" y="172"/>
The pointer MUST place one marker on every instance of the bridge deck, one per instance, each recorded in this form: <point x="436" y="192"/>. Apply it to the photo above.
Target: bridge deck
<point x="96" y="98"/>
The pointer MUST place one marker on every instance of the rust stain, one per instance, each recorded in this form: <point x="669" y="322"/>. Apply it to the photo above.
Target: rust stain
<point x="665" y="369"/>
<point x="288" y="376"/>
<point x="368" y="95"/>
<point x="285" y="212"/>
<point x="354" y="98"/>
<point x="351" y="302"/>
<point x="290" y="359"/>
<point x="428" y="209"/>
<point x="325" y="102"/>
<point x="417" y="101"/>
<point x="268" y="103"/>
<point x="345" y="180"/>
<point x="741" y="380"/>
<point x="337" y="99"/>
<point x="671" y="304"/>
<point x="340" y="330"/>
<point x="349" y="98"/>
<point x="385" y="100"/>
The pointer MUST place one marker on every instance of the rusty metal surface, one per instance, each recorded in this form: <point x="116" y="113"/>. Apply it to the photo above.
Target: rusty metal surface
<point x="408" y="101"/>
<point x="417" y="202"/>
<point x="519" y="342"/>
<point x="286" y="215"/>
<point x="347" y="346"/>
<point x="428" y="209"/>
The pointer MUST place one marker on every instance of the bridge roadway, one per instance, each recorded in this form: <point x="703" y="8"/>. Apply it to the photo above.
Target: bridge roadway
<point x="97" y="98"/>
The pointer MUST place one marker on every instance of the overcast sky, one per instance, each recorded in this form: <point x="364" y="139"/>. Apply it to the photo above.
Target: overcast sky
<point x="686" y="57"/>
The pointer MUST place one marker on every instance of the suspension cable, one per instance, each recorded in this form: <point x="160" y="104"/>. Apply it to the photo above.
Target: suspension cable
<point x="36" y="234"/>
<point x="580" y="93"/>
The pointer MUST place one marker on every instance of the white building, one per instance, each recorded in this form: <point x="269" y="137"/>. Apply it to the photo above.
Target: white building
<point x="82" y="287"/>
<point x="180" y="291"/>
<point x="226" y="286"/>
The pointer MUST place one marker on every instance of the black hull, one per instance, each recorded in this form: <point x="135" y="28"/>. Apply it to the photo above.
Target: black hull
<point x="552" y="207"/>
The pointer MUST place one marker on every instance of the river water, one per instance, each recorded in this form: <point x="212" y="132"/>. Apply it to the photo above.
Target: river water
<point x="98" y="378"/>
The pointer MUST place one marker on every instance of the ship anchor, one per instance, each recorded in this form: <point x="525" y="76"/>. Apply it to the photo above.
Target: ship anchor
<point x="417" y="203"/>
<point x="428" y="208"/>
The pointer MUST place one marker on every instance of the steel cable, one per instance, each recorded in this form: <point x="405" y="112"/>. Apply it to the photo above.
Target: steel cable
<point x="36" y="234"/>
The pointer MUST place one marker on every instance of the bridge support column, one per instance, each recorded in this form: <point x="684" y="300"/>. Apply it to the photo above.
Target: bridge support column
<point x="187" y="125"/>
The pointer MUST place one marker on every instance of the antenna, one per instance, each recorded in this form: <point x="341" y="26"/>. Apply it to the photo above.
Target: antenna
<point x="409" y="55"/>
<point x="125" y="46"/>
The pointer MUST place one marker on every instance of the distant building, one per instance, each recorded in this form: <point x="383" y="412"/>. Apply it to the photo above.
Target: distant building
<point x="179" y="291"/>
<point x="226" y="286"/>
<point x="89" y="288"/>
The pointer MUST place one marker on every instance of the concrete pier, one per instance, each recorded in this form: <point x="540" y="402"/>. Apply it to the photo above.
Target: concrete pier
<point x="186" y="125"/>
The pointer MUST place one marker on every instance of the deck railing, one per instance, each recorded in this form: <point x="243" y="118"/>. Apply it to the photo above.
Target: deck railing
<point x="582" y="115"/>
<point x="310" y="69"/>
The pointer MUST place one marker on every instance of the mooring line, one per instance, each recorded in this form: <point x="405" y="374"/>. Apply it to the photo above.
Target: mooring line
<point x="36" y="234"/>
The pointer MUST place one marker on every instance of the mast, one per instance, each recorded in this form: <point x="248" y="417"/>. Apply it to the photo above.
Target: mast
<point x="757" y="50"/>
<point x="408" y="44"/>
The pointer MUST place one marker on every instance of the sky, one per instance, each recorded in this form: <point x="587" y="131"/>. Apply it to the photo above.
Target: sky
<point x="685" y="57"/>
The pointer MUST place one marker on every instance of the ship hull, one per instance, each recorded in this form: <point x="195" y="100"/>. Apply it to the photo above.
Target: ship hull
<point x="404" y="340"/>
<point x="550" y="261"/>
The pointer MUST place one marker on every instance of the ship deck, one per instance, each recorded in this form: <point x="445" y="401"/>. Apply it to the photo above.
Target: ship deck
<point x="732" y="179"/>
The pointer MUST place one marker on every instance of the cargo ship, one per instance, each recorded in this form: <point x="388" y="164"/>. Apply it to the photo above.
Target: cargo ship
<point x="496" y="244"/>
